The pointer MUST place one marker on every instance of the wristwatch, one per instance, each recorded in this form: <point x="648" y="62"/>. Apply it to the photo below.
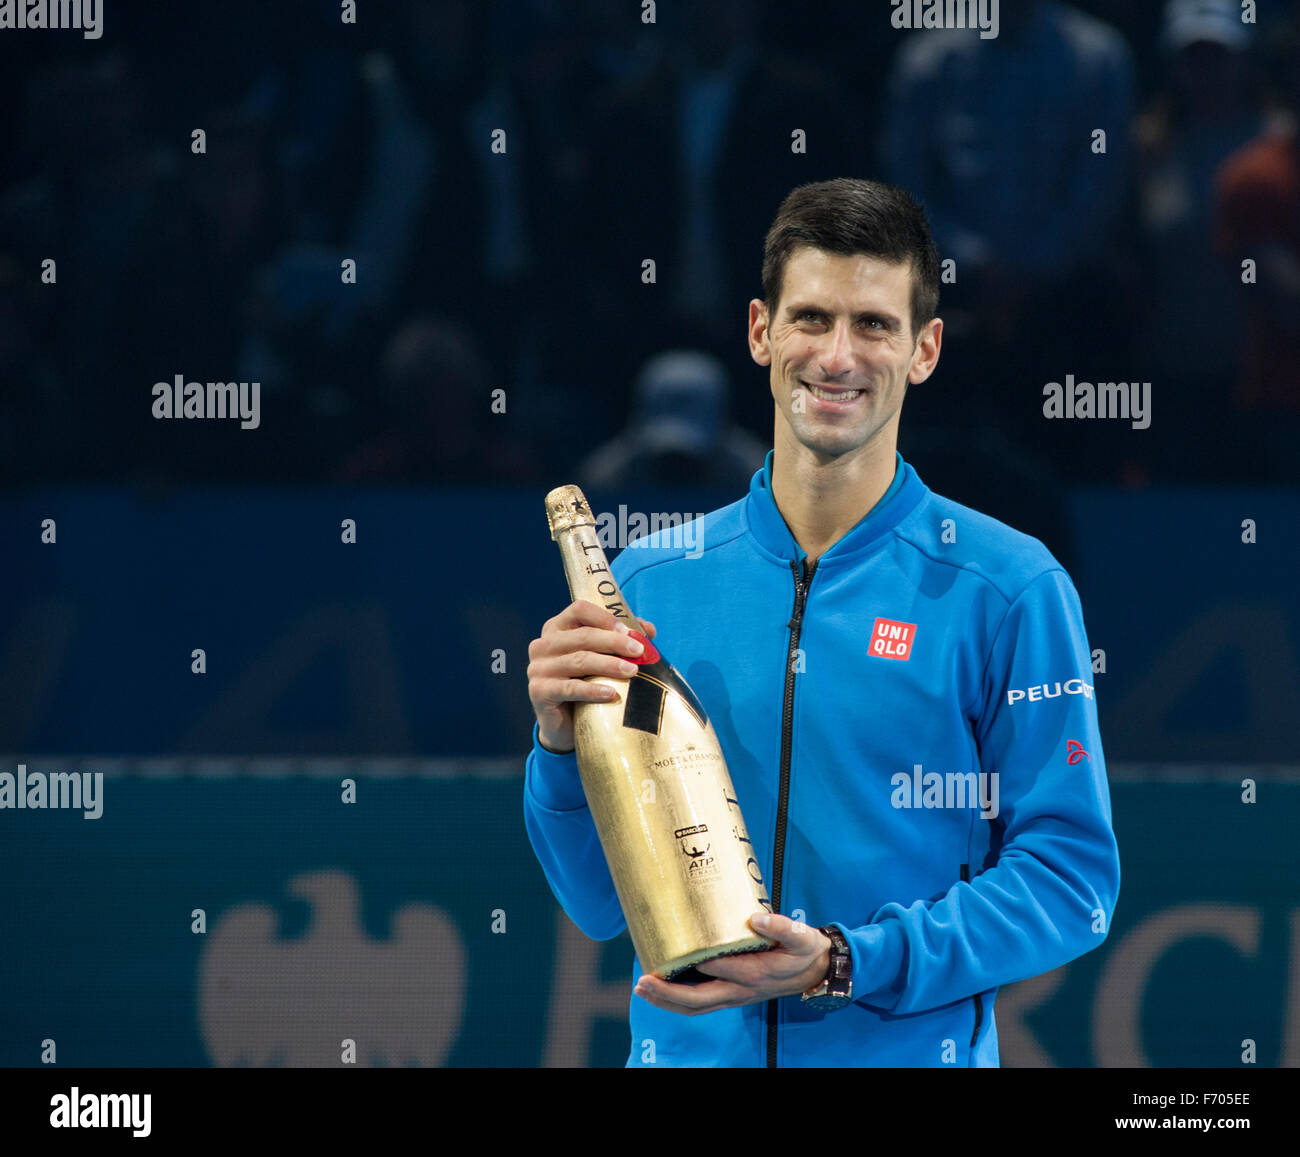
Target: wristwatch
<point x="836" y="990"/>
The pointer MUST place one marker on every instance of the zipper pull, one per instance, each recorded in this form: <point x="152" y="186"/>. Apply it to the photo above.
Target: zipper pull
<point x="801" y="582"/>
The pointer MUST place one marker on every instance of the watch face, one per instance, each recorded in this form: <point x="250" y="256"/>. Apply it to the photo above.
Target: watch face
<point x="827" y="1003"/>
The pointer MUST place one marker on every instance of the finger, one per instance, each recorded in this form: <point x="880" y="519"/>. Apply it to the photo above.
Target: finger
<point x="757" y="971"/>
<point x="592" y="639"/>
<point x="749" y="969"/>
<point x="558" y="691"/>
<point x="581" y="612"/>
<point x="692" y="1000"/>
<point x="661" y="1000"/>
<point x="609" y="641"/>
<point x="792" y="935"/>
<point x="576" y="664"/>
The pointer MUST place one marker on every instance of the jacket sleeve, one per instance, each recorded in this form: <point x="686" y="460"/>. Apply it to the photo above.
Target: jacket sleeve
<point x="1051" y="893"/>
<point x="564" y="839"/>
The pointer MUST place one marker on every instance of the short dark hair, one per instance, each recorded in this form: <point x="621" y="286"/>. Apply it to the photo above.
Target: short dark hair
<point x="850" y="217"/>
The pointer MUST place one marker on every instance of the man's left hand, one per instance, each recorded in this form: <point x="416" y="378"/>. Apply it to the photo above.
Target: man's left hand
<point x="799" y="961"/>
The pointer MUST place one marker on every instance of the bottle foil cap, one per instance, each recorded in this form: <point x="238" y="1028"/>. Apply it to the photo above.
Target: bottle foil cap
<point x="566" y="507"/>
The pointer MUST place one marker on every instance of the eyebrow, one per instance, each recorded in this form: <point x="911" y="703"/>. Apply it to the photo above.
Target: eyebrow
<point x="888" y="320"/>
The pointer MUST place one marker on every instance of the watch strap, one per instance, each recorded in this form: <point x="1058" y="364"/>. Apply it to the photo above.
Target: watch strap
<point x="835" y="990"/>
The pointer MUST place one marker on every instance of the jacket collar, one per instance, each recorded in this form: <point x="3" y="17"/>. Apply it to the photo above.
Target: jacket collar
<point x="766" y="524"/>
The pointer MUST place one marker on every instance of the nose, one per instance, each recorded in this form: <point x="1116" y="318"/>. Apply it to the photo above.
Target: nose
<point x="835" y="357"/>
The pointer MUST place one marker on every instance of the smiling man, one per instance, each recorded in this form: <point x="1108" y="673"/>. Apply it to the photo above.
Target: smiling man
<point x="863" y="647"/>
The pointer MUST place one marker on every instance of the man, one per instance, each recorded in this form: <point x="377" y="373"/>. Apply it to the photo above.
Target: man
<point x="854" y="638"/>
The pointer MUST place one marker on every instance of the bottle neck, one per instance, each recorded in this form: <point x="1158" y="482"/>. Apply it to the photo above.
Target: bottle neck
<point x="588" y="573"/>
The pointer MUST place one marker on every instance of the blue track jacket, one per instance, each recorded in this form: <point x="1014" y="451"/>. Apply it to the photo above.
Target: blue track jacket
<point x="858" y="703"/>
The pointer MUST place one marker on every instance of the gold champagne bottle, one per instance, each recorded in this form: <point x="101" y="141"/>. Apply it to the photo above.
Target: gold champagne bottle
<point x="658" y="788"/>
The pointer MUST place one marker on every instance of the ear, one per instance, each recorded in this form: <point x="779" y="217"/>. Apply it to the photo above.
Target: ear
<point x="758" y="347"/>
<point x="926" y="355"/>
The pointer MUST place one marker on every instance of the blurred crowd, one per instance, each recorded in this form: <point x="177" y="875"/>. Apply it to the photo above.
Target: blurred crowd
<point x="501" y="172"/>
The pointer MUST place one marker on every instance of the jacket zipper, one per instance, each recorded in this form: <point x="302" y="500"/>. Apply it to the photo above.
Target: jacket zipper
<point x="979" y="999"/>
<point x="801" y="584"/>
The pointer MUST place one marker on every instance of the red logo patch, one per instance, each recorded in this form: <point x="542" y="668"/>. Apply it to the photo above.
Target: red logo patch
<point x="892" y="640"/>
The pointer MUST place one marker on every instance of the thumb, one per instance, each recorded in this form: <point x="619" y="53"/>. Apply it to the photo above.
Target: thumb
<point x="791" y="934"/>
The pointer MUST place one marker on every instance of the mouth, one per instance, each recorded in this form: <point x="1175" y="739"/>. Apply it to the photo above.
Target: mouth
<point x="832" y="397"/>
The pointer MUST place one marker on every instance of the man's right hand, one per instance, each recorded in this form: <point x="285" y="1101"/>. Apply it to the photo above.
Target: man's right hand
<point x="583" y="639"/>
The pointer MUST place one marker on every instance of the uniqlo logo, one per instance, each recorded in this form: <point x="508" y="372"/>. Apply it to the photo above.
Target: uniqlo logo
<point x="892" y="640"/>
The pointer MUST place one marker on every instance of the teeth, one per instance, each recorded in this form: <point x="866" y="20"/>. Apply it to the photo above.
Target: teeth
<point x="842" y="396"/>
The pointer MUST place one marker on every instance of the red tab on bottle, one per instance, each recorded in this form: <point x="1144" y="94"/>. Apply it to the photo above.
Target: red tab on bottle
<point x="649" y="655"/>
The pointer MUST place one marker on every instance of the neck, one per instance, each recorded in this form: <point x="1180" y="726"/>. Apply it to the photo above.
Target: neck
<point x="822" y="499"/>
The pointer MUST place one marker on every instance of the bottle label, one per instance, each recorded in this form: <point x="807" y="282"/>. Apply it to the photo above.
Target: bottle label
<point x="751" y="863"/>
<point x="698" y="849"/>
<point x="646" y="692"/>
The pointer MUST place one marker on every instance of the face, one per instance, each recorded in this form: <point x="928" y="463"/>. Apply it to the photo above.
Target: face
<point x="841" y="351"/>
